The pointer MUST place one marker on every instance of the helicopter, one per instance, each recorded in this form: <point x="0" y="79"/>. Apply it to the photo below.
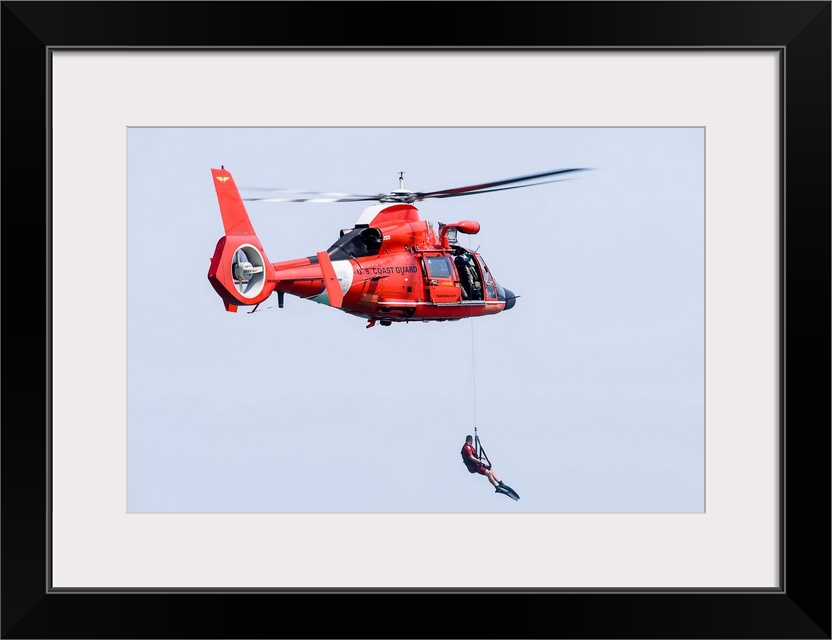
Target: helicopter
<point x="390" y="267"/>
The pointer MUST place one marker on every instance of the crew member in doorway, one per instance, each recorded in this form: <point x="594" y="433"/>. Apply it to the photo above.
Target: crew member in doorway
<point x="476" y="465"/>
<point x="471" y="287"/>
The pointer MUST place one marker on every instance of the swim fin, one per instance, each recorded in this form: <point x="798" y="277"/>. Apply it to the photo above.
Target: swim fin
<point x="507" y="491"/>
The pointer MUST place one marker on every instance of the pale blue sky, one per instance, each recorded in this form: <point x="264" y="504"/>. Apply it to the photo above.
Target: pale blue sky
<point x="588" y="395"/>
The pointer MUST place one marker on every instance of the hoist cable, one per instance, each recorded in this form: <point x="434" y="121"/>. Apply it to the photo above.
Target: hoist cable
<point x="479" y="451"/>
<point x="473" y="374"/>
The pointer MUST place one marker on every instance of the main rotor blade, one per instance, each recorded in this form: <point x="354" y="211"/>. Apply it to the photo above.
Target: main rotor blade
<point x="312" y="196"/>
<point x="402" y="195"/>
<point x="517" y="186"/>
<point x="317" y="199"/>
<point x="480" y="188"/>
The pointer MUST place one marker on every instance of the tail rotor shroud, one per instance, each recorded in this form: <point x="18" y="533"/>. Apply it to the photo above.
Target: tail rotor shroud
<point x="248" y="270"/>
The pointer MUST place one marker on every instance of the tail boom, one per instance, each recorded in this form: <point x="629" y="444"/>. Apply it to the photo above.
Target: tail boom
<point x="241" y="274"/>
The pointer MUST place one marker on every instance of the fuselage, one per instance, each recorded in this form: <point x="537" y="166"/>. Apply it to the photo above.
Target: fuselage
<point x="396" y="268"/>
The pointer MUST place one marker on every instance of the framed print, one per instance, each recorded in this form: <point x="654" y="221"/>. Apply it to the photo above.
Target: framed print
<point x="656" y="407"/>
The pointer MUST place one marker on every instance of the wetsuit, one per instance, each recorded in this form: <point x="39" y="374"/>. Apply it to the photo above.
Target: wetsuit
<point x="473" y="465"/>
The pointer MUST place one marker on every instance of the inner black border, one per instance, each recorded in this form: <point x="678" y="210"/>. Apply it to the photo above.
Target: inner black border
<point x="800" y="31"/>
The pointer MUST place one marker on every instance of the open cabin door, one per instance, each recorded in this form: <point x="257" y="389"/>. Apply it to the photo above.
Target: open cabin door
<point x="470" y="281"/>
<point x="440" y="279"/>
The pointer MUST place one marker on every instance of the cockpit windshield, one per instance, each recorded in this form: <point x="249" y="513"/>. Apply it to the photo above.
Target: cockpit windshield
<point x="357" y="243"/>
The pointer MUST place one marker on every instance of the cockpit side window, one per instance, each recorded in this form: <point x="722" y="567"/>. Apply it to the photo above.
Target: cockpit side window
<point x="490" y="288"/>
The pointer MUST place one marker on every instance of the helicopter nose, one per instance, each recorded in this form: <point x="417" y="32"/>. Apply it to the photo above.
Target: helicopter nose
<point x="510" y="299"/>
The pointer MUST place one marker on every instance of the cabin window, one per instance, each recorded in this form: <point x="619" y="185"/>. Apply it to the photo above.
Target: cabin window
<point x="439" y="267"/>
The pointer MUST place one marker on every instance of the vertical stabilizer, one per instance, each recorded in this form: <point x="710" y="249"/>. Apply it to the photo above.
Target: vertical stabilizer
<point x="234" y="216"/>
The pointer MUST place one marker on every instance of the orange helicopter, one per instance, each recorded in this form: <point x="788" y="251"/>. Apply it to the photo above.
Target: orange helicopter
<point x="392" y="266"/>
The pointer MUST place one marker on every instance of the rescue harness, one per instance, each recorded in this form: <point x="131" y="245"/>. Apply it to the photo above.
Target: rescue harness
<point x="479" y="451"/>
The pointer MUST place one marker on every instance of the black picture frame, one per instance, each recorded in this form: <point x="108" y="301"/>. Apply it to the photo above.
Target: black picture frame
<point x="799" y="608"/>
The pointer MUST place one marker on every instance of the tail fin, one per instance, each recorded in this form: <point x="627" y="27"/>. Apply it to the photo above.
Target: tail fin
<point x="240" y="272"/>
<point x="235" y="218"/>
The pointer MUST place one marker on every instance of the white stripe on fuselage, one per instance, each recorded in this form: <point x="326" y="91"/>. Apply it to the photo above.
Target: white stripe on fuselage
<point x="344" y="272"/>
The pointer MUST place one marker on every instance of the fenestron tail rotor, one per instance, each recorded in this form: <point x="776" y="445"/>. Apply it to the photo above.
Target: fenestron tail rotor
<point x="247" y="271"/>
<point x="236" y="270"/>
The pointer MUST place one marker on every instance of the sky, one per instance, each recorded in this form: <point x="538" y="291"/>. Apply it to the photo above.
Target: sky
<point x="588" y="396"/>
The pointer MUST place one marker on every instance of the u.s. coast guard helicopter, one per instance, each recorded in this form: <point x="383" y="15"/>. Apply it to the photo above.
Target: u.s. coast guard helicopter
<point x="392" y="266"/>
